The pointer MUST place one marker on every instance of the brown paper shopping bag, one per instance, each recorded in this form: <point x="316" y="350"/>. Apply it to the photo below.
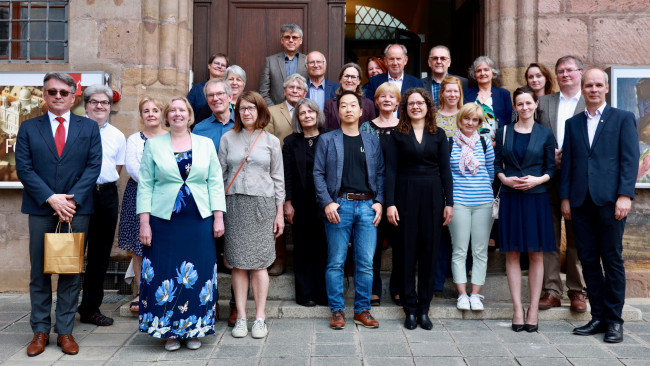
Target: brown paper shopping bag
<point x="64" y="252"/>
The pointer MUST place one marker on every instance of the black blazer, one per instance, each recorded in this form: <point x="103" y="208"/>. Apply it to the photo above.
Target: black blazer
<point x="539" y="158"/>
<point x="43" y="173"/>
<point x="295" y="165"/>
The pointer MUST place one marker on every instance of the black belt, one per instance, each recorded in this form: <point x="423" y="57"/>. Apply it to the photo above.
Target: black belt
<point x="104" y="186"/>
<point x="356" y="196"/>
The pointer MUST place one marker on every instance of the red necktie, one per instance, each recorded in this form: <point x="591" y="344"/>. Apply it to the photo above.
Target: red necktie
<point x="59" y="135"/>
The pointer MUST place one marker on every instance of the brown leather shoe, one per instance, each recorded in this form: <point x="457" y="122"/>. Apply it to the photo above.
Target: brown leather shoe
<point x="38" y="343"/>
<point x="338" y="320"/>
<point x="232" y="318"/>
<point x="67" y="344"/>
<point x="578" y="303"/>
<point x="549" y="301"/>
<point x="364" y="318"/>
<point x="276" y="269"/>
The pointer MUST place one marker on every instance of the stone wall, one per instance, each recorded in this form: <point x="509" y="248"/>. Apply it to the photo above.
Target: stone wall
<point x="145" y="46"/>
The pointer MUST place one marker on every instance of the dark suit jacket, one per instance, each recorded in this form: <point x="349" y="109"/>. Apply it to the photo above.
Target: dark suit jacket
<point x="539" y="158"/>
<point x="328" y="166"/>
<point x="501" y="103"/>
<point x="330" y="89"/>
<point x="609" y="167"/>
<point x="43" y="173"/>
<point x="333" y="121"/>
<point x="547" y="111"/>
<point x="273" y="76"/>
<point x="374" y="82"/>
<point x="429" y="80"/>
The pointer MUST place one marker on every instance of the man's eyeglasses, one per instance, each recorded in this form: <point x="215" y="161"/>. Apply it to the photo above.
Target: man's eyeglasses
<point x="219" y="64"/>
<point x="54" y="92"/>
<point x="567" y="71"/>
<point x="94" y="102"/>
<point x="291" y="38"/>
<point x="314" y="63"/>
<point x="438" y="58"/>
<point x="218" y="95"/>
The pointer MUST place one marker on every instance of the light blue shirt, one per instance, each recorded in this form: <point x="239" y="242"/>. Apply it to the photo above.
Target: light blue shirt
<point x="291" y="66"/>
<point x="214" y="129"/>
<point x="317" y="93"/>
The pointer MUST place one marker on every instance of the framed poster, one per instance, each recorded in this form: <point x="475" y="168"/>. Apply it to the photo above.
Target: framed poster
<point x="629" y="89"/>
<point x="21" y="98"/>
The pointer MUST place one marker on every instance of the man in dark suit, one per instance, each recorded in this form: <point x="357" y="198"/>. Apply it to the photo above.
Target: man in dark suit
<point x="395" y="58"/>
<point x="319" y="88"/>
<point x="58" y="160"/>
<point x="553" y="111"/>
<point x="277" y="67"/>
<point x="439" y="62"/>
<point x="349" y="183"/>
<point x="600" y="160"/>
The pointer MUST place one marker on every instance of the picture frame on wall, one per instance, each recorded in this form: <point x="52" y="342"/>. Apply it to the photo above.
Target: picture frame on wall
<point x="629" y="89"/>
<point x="21" y="98"/>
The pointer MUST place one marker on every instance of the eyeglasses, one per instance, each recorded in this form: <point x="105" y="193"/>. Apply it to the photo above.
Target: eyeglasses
<point x="218" y="95"/>
<point x="567" y="71"/>
<point x="250" y="109"/>
<point x="349" y="77"/>
<point x="291" y="38"/>
<point x="314" y="63"/>
<point x="53" y="92"/>
<point x="104" y="103"/>
<point x="438" y="58"/>
<point x="219" y="64"/>
<point x="419" y="103"/>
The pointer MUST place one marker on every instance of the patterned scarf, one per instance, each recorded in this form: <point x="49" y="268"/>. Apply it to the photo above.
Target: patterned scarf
<point x="467" y="158"/>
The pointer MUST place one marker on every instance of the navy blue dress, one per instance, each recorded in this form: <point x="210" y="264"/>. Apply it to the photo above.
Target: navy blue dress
<point x="179" y="271"/>
<point x="525" y="220"/>
<point x="128" y="235"/>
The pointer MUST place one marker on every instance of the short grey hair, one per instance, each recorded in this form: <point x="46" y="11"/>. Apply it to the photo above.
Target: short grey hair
<point x="62" y="77"/>
<point x="471" y="72"/>
<point x="295" y="119"/>
<point x="291" y="27"/>
<point x="582" y="78"/>
<point x="394" y="44"/>
<point x="295" y="77"/>
<point x="226" y="86"/>
<point x="98" y="89"/>
<point x="237" y="70"/>
<point x="442" y="47"/>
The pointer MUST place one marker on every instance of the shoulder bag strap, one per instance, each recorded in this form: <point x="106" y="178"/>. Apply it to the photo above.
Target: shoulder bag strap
<point x="242" y="163"/>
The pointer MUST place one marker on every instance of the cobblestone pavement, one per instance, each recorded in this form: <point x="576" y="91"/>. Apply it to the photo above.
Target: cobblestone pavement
<point x="312" y="342"/>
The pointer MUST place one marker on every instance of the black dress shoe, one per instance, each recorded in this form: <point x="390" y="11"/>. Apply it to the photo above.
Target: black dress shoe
<point x="593" y="327"/>
<point x="517" y="327"/>
<point x="530" y="328"/>
<point x="614" y="333"/>
<point x="308" y="303"/>
<point x="375" y="302"/>
<point x="424" y="321"/>
<point x="410" y="322"/>
<point x="397" y="301"/>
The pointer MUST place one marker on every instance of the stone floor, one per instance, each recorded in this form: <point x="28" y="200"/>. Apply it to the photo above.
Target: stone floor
<point x="294" y="341"/>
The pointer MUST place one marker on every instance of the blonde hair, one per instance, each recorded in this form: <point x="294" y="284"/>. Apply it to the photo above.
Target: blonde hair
<point x="187" y="104"/>
<point x="388" y="88"/>
<point x="470" y="109"/>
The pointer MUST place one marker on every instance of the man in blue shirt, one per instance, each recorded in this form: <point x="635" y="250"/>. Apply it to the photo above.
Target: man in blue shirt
<point x="219" y="95"/>
<point x="319" y="88"/>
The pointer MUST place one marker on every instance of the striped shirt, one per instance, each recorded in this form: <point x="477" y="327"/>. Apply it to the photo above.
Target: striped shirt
<point x="473" y="190"/>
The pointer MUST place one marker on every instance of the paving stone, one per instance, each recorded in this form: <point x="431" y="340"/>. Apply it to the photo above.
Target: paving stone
<point x="388" y="361"/>
<point x="534" y="350"/>
<point x="454" y="325"/>
<point x="483" y="349"/>
<point x="338" y="361"/>
<point x="569" y="338"/>
<point x="140" y="353"/>
<point x="597" y="362"/>
<point x="291" y="325"/>
<point x="324" y="325"/>
<point x="434" y="349"/>
<point x="334" y="350"/>
<point x="644" y="338"/>
<point x="389" y="325"/>
<point x="33" y="362"/>
<point x="141" y="339"/>
<point x="439" y="361"/>
<point x="91" y="353"/>
<point x="385" y="350"/>
<point x="50" y="354"/>
<point x="19" y="327"/>
<point x="7" y="350"/>
<point x="382" y="337"/>
<point x="202" y="353"/>
<point x="421" y="335"/>
<point x="542" y="361"/>
<point x="117" y="327"/>
<point x="628" y="340"/>
<point x="115" y="339"/>
<point x="478" y="336"/>
<point x="282" y="350"/>
<point x="625" y="351"/>
<point x="584" y="351"/>
<point x="13" y="316"/>
<point x="235" y="361"/>
<point x="181" y="363"/>
<point x="248" y="340"/>
<point x="634" y="362"/>
<point x="491" y="361"/>
<point x="508" y="336"/>
<point x="285" y="361"/>
<point x="335" y="337"/>
<point x="230" y="351"/>
<point x="639" y="328"/>
<point x="21" y="339"/>
<point x="298" y="337"/>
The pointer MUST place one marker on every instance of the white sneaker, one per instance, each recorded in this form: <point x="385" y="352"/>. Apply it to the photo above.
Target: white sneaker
<point x="193" y="344"/>
<point x="463" y="302"/>
<point x="240" y="330"/>
<point x="259" y="329"/>
<point x="172" y="345"/>
<point x="475" y="302"/>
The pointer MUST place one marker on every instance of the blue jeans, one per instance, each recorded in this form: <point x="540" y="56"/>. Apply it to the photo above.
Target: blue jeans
<point x="356" y="217"/>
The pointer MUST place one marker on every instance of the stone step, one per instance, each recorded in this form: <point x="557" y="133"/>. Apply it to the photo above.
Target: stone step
<point x="440" y="309"/>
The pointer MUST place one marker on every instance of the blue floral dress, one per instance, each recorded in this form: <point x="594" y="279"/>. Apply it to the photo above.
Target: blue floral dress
<point x="179" y="271"/>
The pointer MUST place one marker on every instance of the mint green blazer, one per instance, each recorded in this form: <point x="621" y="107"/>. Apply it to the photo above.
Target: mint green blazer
<point x="160" y="179"/>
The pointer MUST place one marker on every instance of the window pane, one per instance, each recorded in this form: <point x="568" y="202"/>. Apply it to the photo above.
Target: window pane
<point x="36" y="49"/>
<point x="36" y="32"/>
<point x="56" y="50"/>
<point x="56" y="31"/>
<point x="57" y="13"/>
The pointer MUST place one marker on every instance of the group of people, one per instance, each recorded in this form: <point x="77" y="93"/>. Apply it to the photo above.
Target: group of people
<point x="402" y="160"/>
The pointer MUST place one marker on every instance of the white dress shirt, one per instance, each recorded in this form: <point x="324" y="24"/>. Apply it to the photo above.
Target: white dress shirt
<point x="134" y="150"/>
<point x="565" y="110"/>
<point x="291" y="108"/>
<point x="55" y="124"/>
<point x="592" y="122"/>
<point x="113" y="153"/>
<point x="398" y="82"/>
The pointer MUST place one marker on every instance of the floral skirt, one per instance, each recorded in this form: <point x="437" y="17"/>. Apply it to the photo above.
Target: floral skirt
<point x="179" y="273"/>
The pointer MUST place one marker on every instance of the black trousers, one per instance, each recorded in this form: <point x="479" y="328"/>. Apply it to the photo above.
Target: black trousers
<point x="599" y="238"/>
<point x="309" y="255"/>
<point x="386" y="231"/>
<point x="99" y="242"/>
